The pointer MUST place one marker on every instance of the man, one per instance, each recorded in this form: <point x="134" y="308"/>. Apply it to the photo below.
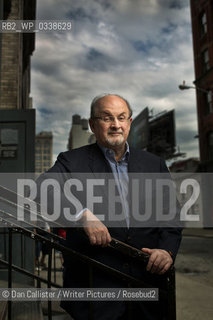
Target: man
<point x="110" y="121"/>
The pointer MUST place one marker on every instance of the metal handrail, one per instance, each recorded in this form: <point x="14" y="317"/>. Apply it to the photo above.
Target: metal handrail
<point x="75" y="254"/>
<point x="133" y="253"/>
<point x="169" y="293"/>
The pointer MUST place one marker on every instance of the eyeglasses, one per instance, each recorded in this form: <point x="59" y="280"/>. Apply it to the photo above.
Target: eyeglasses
<point x="110" y="119"/>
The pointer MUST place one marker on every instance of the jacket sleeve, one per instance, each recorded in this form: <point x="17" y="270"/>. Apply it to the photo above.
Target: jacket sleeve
<point x="60" y="194"/>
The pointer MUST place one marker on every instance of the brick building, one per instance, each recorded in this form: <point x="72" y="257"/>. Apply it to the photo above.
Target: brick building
<point x="202" y="31"/>
<point x="44" y="151"/>
<point x="16" y="50"/>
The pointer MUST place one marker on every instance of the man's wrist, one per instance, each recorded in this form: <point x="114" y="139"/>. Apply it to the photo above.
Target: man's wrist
<point x="170" y="253"/>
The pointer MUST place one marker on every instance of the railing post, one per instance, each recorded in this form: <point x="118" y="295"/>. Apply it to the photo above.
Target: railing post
<point x="54" y="260"/>
<point x="37" y="265"/>
<point x="171" y="302"/>
<point x="91" y="285"/>
<point x="22" y="250"/>
<point x="49" y="272"/>
<point x="5" y="243"/>
<point x="10" y="260"/>
<point x="129" y="305"/>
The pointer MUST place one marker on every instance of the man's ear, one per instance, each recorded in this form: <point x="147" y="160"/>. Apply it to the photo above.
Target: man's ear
<point x="91" y="124"/>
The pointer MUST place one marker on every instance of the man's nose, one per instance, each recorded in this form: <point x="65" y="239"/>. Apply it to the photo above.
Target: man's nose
<point x="115" y="123"/>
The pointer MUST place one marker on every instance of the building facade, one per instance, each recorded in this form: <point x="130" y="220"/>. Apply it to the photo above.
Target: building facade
<point x="155" y="134"/>
<point x="17" y="121"/>
<point x="43" y="151"/>
<point x="202" y="31"/>
<point x="16" y="50"/>
<point x="79" y="135"/>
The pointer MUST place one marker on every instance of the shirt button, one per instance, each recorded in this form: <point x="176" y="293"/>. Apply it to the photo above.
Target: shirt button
<point x="129" y="238"/>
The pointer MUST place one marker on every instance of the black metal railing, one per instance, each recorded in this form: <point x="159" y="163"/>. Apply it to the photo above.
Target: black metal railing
<point x="8" y="221"/>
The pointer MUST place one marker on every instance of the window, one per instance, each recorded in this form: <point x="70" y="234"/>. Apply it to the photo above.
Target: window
<point x="46" y="144"/>
<point x="203" y="24"/>
<point x="205" y="56"/>
<point x="210" y="146"/>
<point x="209" y="106"/>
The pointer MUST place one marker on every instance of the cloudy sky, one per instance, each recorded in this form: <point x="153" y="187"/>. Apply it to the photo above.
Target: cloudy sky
<point x="141" y="49"/>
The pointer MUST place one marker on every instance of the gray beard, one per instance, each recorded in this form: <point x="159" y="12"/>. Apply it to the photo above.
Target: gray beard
<point x="113" y="143"/>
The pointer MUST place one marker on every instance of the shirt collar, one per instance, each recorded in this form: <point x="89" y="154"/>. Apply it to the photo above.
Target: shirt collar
<point x="109" y="153"/>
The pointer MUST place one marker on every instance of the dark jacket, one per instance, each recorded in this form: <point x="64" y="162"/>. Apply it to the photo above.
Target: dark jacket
<point x="90" y="159"/>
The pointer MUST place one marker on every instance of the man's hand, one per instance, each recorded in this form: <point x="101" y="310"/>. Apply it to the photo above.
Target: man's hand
<point x="159" y="261"/>
<point x="96" y="231"/>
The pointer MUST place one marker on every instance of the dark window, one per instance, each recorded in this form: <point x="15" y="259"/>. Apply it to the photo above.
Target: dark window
<point x="210" y="146"/>
<point x="205" y="58"/>
<point x="209" y="106"/>
<point x="46" y="144"/>
<point x="203" y="24"/>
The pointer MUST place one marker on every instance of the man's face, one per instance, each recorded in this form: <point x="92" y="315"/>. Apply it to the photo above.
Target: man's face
<point x="112" y="128"/>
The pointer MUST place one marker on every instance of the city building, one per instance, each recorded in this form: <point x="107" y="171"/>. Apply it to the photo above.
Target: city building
<point x="17" y="117"/>
<point x="155" y="134"/>
<point x="79" y="135"/>
<point x="17" y="127"/>
<point x="202" y="32"/>
<point x="15" y="54"/>
<point x="43" y="151"/>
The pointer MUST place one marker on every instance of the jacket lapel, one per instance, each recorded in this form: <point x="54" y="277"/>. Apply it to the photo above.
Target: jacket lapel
<point x="97" y="161"/>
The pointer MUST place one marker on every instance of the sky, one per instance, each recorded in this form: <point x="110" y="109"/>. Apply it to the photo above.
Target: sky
<point x="140" y="49"/>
